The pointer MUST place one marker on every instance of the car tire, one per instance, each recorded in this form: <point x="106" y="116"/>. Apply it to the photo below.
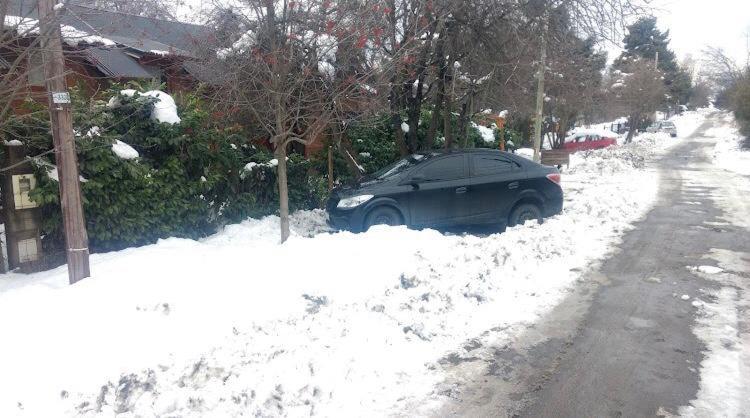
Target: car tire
<point x="523" y="213"/>
<point x="383" y="215"/>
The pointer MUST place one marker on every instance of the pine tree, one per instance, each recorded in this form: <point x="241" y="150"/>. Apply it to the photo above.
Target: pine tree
<point x="643" y="41"/>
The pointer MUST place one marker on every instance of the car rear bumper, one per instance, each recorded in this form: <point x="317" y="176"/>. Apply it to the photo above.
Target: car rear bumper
<point x="553" y="204"/>
<point x="553" y="208"/>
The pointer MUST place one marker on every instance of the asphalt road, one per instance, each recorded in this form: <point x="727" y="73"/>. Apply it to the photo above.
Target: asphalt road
<point x="623" y="343"/>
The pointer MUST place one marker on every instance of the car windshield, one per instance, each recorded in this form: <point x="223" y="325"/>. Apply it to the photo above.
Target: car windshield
<point x="399" y="166"/>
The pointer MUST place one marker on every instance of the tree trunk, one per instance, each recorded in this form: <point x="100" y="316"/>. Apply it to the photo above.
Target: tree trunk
<point x="563" y="131"/>
<point x="447" y="119"/>
<point x="343" y="145"/>
<point x="464" y="118"/>
<point x="539" y="113"/>
<point x="396" y="101"/>
<point x="280" y="154"/>
<point x="437" y="106"/>
<point x="437" y="115"/>
<point x="633" y="128"/>
<point x="395" y="97"/>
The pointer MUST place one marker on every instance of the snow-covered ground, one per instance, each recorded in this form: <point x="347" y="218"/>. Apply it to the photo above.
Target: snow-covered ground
<point x="722" y="320"/>
<point x="728" y="152"/>
<point x="327" y="323"/>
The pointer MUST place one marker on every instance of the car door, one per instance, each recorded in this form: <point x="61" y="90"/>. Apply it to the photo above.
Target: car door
<point x="495" y="186"/>
<point x="439" y="198"/>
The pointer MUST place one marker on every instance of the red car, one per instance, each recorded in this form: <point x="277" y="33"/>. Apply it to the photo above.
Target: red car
<point x="584" y="141"/>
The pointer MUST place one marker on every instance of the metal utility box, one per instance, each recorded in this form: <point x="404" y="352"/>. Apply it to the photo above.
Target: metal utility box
<point x="20" y="213"/>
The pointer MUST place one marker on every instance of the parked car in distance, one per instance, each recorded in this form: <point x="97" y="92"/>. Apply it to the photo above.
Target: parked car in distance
<point x="447" y="189"/>
<point x="587" y="140"/>
<point x="663" y="126"/>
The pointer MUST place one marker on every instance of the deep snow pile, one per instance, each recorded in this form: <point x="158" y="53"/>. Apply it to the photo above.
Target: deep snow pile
<point x="728" y="152"/>
<point x="328" y="323"/>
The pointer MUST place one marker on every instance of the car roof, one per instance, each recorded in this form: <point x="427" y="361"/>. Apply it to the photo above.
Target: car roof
<point x="467" y="151"/>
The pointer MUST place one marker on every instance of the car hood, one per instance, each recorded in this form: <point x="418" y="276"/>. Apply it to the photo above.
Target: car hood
<point x="367" y="185"/>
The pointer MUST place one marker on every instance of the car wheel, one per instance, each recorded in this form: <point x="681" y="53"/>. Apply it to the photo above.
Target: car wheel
<point x="525" y="212"/>
<point x="383" y="215"/>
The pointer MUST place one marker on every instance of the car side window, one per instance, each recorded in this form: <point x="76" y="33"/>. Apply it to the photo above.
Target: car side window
<point x="448" y="168"/>
<point x="485" y="165"/>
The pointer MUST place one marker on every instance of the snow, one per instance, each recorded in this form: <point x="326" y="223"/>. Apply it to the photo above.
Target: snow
<point x="124" y="151"/>
<point x="241" y="45"/>
<point x="53" y="174"/>
<point x="405" y="127"/>
<point x="70" y="35"/>
<point x="526" y="152"/>
<point x="73" y="37"/>
<point x="719" y="327"/>
<point x="685" y="297"/>
<point x="602" y="131"/>
<point x="488" y="134"/>
<point x="165" y="108"/>
<point x="159" y="52"/>
<point x="58" y="6"/>
<point x="728" y="152"/>
<point x="13" y="142"/>
<point x="327" y="69"/>
<point x="238" y="324"/>
<point x="22" y="25"/>
<point x="707" y="269"/>
<point x="94" y="132"/>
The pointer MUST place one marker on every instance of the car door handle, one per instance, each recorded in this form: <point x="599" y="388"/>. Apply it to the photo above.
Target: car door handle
<point x="461" y="190"/>
<point x="513" y="185"/>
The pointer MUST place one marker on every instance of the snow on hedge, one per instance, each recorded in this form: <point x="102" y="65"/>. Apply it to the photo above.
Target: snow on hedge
<point x="124" y="151"/>
<point x="327" y="323"/>
<point x="165" y="108"/>
<point x="488" y="134"/>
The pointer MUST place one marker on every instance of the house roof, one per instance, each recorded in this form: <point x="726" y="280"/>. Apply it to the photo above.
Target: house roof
<point x="142" y="33"/>
<point x="114" y="62"/>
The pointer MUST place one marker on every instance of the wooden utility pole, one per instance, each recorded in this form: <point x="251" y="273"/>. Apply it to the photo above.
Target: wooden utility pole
<point x="76" y="239"/>
<point x="540" y="89"/>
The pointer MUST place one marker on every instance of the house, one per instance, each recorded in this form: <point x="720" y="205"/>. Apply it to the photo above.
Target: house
<point x="100" y="47"/>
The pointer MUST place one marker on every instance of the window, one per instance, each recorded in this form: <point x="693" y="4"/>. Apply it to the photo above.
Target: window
<point x="448" y="168"/>
<point x="485" y="165"/>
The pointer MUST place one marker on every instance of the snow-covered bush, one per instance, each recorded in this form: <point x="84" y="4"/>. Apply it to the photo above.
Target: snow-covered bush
<point x="148" y="178"/>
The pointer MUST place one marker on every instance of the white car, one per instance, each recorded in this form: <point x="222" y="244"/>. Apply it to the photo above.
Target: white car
<point x="663" y="126"/>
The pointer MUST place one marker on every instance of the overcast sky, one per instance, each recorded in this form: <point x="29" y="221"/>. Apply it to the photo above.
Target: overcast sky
<point x="695" y="24"/>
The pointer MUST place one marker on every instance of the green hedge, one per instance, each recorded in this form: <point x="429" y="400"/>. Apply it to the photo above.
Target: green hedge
<point x="188" y="181"/>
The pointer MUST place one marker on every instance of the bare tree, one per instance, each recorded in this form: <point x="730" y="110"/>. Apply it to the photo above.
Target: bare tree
<point x="20" y="60"/>
<point x="298" y="68"/>
<point x="719" y="68"/>
<point x="158" y="9"/>
<point x="638" y="91"/>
